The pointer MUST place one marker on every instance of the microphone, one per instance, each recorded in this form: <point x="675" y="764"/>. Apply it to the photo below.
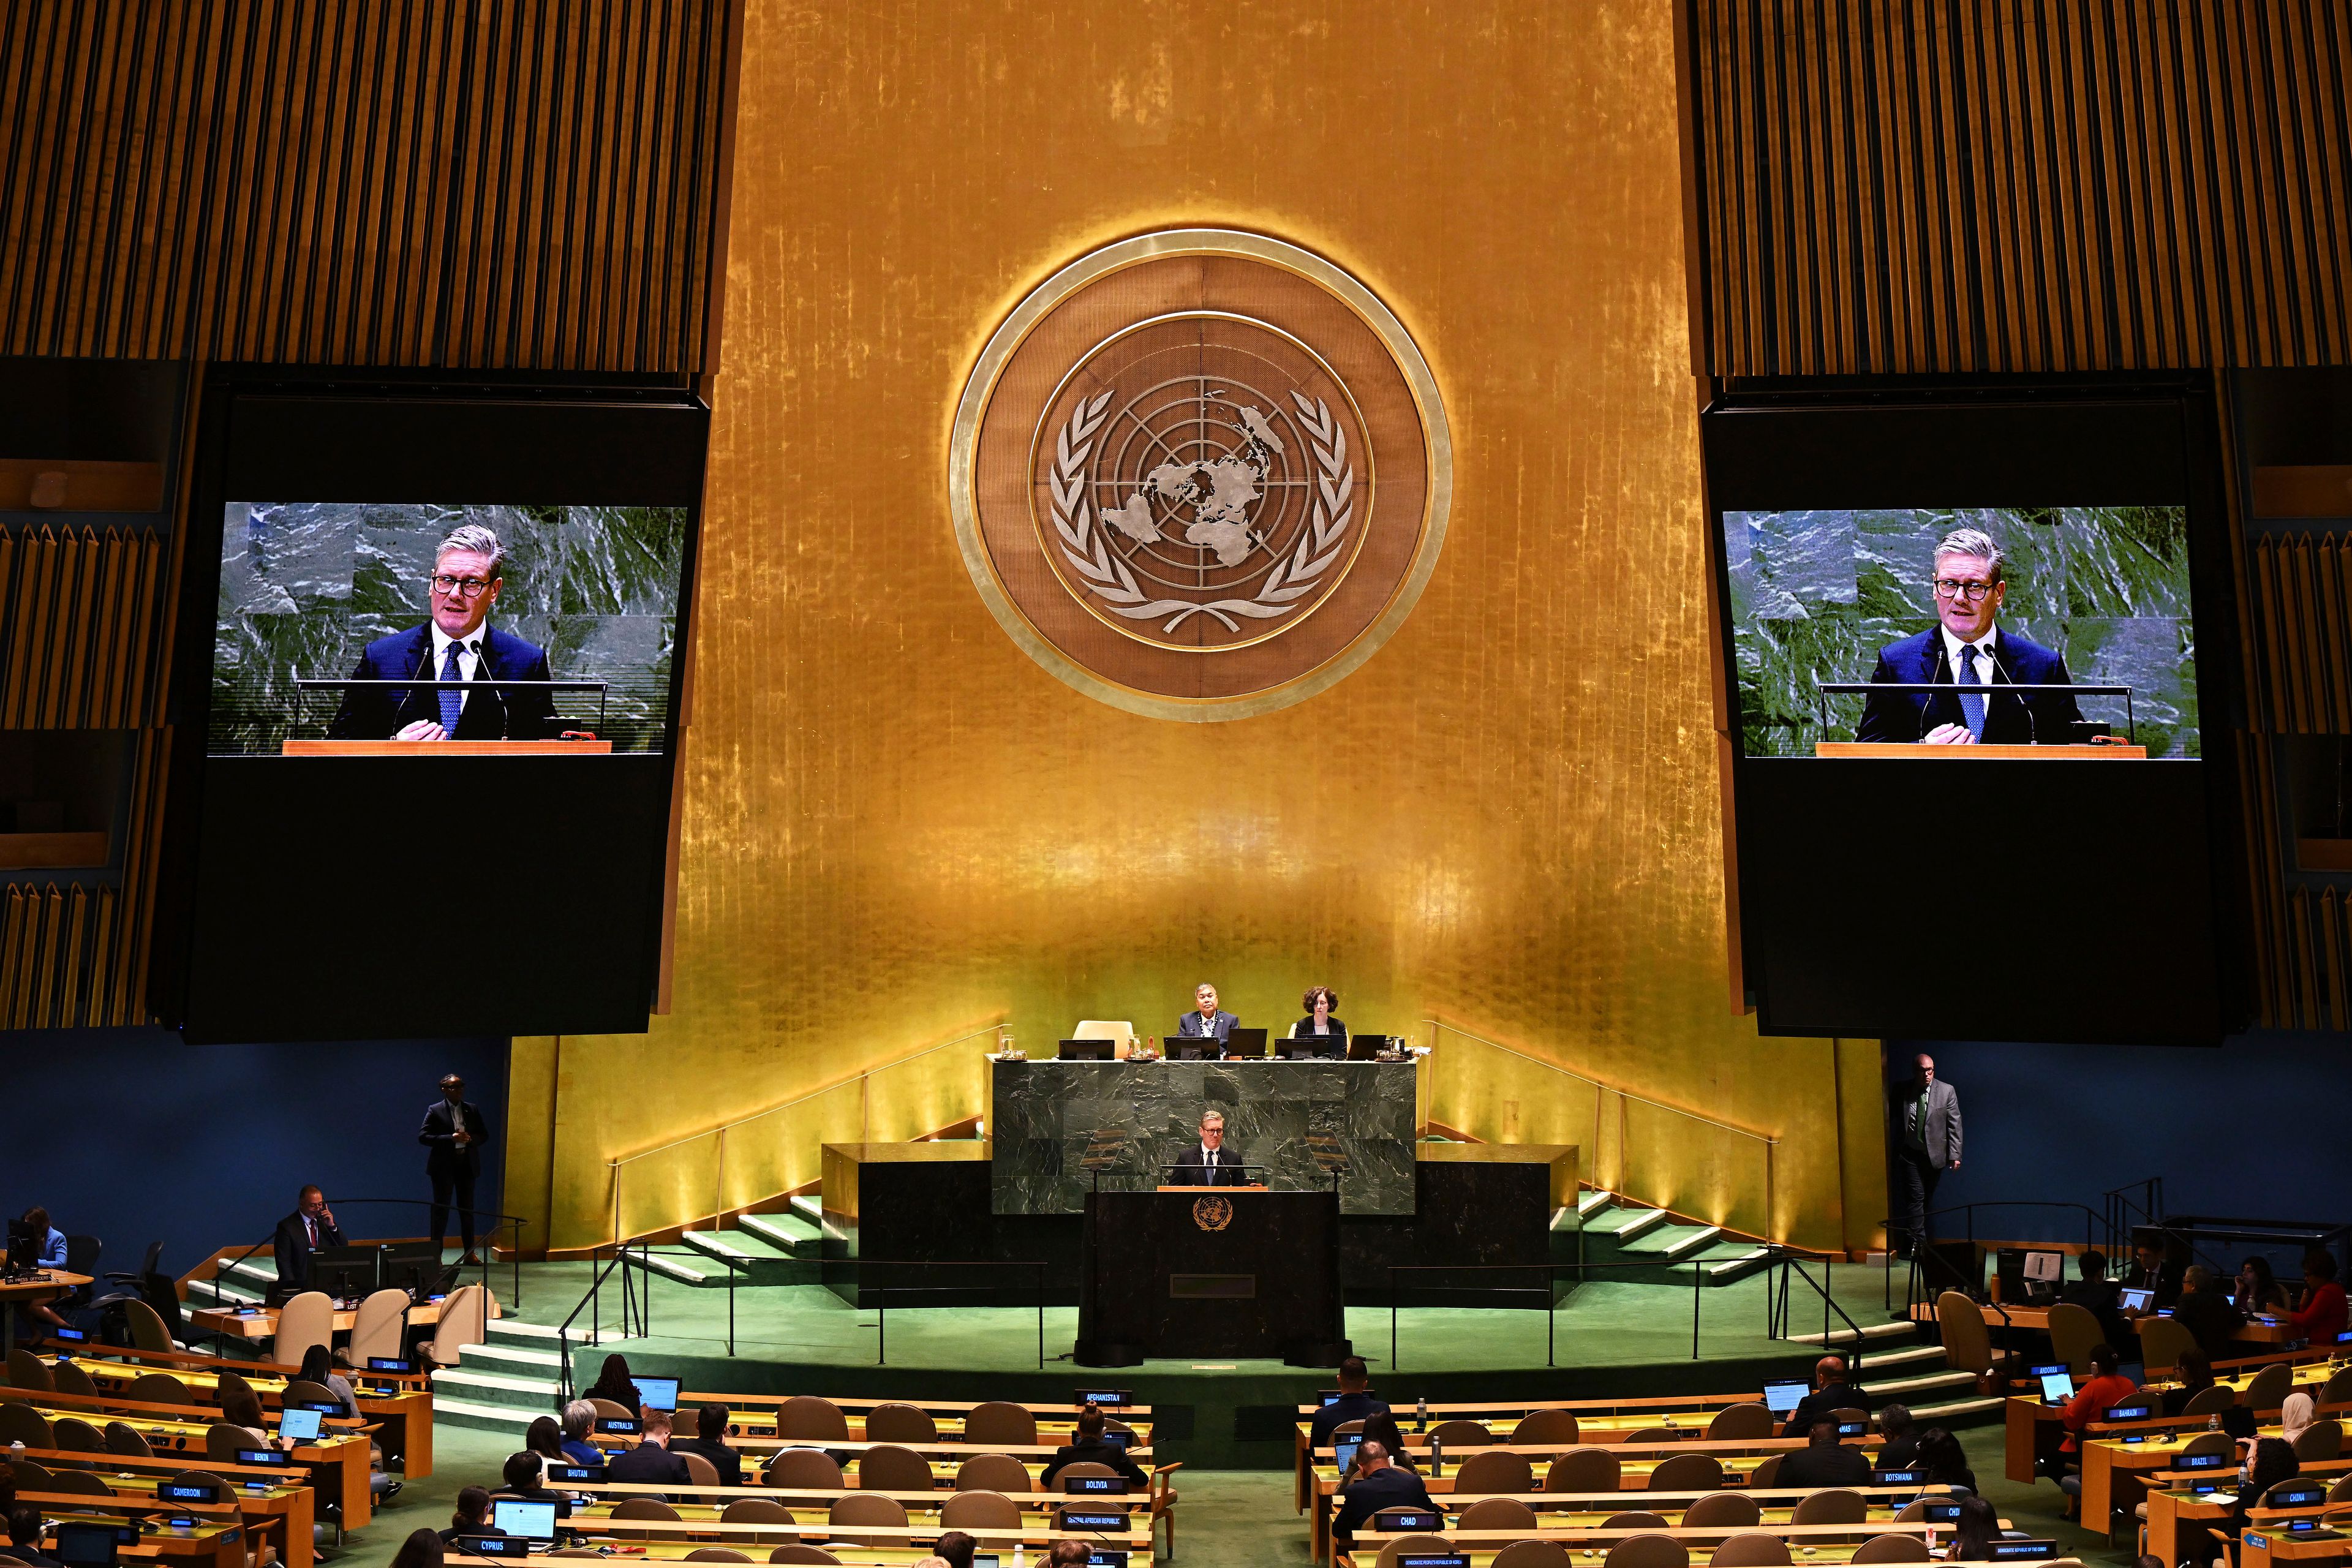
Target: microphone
<point x="2033" y="725"/>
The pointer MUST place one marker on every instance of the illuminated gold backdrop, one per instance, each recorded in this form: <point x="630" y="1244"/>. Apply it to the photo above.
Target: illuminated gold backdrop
<point x="897" y="827"/>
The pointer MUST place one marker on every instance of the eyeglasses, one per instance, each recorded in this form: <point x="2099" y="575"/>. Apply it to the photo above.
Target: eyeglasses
<point x="471" y="587"/>
<point x="1959" y="588"/>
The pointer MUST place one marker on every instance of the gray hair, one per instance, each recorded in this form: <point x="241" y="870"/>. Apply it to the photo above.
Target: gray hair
<point x="475" y="540"/>
<point x="578" y="1416"/>
<point x="1975" y="543"/>
<point x="1216" y="1116"/>
<point x="2196" y="1277"/>
<point x="1894" y="1420"/>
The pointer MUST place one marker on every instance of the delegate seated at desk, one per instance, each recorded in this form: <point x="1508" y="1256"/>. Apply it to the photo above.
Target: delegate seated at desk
<point x="1374" y="1485"/>
<point x="1964" y="651"/>
<point x="1321" y="1024"/>
<point x="310" y="1226"/>
<point x="1207" y="1023"/>
<point x="1208" y="1163"/>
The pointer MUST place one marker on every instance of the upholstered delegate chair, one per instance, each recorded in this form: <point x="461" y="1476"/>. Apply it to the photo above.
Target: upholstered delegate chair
<point x="224" y="1440"/>
<point x="69" y="1378"/>
<point x="148" y="1329"/>
<point x="1740" y="1424"/>
<point x="158" y="1388"/>
<point x="1754" y="1549"/>
<point x="878" y="1521"/>
<point x="306" y="1320"/>
<point x="992" y="1473"/>
<point x="1532" y="1554"/>
<point x="23" y="1423"/>
<point x="2074" y="1330"/>
<point x="901" y="1424"/>
<point x="1497" y="1513"/>
<point x="644" y="1508"/>
<point x="2319" y="1441"/>
<point x="465" y="1320"/>
<point x="1581" y="1470"/>
<point x="2162" y="1342"/>
<point x="891" y="1469"/>
<point x="1836" y="1506"/>
<point x="802" y="1552"/>
<point x="73" y="1433"/>
<point x="28" y="1371"/>
<point x="128" y="1441"/>
<point x="760" y="1511"/>
<point x="1120" y="1032"/>
<point x="1495" y="1470"/>
<point x="805" y="1416"/>
<point x="980" y="1510"/>
<point x="1655" y="1435"/>
<point x="1460" y="1433"/>
<point x="2268" y="1388"/>
<point x="1766" y="1475"/>
<point x="380" y="1328"/>
<point x="1001" y="1424"/>
<point x="1636" y="1519"/>
<point x="704" y="1473"/>
<point x="1891" y="1549"/>
<point x="1396" y="1546"/>
<point x="1968" y="1343"/>
<point x="2209" y="1400"/>
<point x="804" y="1471"/>
<point x="1545" y="1426"/>
<point x="1722" y="1510"/>
<point x="715" y="1554"/>
<point x="81" y="1483"/>
<point x="1648" y="1551"/>
<point x="2337" y="1389"/>
<point x="609" y="1409"/>
<point x="1687" y="1473"/>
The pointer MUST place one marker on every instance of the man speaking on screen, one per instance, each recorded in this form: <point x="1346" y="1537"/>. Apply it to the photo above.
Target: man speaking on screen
<point x="456" y="644"/>
<point x="1969" y="656"/>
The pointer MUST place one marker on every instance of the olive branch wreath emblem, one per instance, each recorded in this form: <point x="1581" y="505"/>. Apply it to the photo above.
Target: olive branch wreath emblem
<point x="1108" y="575"/>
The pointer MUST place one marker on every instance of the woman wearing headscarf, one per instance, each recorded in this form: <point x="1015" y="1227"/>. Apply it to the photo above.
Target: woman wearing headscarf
<point x="2296" y="1414"/>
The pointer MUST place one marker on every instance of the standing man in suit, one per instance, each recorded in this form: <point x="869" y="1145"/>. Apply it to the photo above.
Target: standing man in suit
<point x="1927" y="1124"/>
<point x="452" y="644"/>
<point x="453" y="1136"/>
<point x="1205" y="1022"/>
<point x="1968" y="652"/>
<point x="1208" y="1163"/>
<point x="310" y="1226"/>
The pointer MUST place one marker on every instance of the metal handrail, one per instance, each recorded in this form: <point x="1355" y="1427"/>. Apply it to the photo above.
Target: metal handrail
<point x="1911" y="1297"/>
<point x="1771" y="1141"/>
<point x="617" y="1163"/>
<point x="1787" y="1259"/>
<point x="593" y="1305"/>
<point x="882" y="1293"/>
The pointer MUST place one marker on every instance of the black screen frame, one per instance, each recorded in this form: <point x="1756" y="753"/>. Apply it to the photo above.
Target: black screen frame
<point x="246" y="943"/>
<point x="1837" y="443"/>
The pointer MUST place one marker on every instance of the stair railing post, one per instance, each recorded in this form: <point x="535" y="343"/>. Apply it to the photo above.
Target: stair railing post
<point x="1697" y="1278"/>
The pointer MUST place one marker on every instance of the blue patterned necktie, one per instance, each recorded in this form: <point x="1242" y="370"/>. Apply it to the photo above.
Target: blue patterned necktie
<point x="1972" y="702"/>
<point x="454" y="702"/>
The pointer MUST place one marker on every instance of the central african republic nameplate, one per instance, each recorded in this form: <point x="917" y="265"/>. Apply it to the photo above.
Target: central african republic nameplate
<point x="1201" y="474"/>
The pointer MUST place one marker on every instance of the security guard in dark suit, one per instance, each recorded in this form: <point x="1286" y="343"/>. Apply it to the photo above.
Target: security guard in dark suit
<point x="453" y="1135"/>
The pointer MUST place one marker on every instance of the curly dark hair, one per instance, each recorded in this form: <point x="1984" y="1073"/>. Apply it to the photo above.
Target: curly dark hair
<point x="1307" y="1003"/>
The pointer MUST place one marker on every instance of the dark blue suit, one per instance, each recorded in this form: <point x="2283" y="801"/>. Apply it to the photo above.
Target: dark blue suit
<point x="378" y="712"/>
<point x="2011" y="718"/>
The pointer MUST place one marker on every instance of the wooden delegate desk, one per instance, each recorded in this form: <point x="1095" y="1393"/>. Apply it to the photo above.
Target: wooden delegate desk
<point x="2177" y="1516"/>
<point x="2031" y="1429"/>
<point x="340" y="1464"/>
<point x="405" y="1418"/>
<point x="1980" y="751"/>
<point x="283" y="1501"/>
<point x="2114" y="1471"/>
<point x="47" y="1284"/>
<point x="2260" y="1545"/>
<point x="1808" y="1543"/>
<point x="216" y="1541"/>
<point x="699" y="1503"/>
<point x="445" y="748"/>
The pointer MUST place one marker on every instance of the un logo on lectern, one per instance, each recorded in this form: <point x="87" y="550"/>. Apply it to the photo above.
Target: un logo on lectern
<point x="1212" y="1214"/>
<point x="1201" y="474"/>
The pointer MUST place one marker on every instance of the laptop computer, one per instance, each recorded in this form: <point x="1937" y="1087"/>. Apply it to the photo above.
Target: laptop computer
<point x="1343" y="1450"/>
<point x="2135" y="1299"/>
<point x="2058" y="1388"/>
<point x="1085" y="1050"/>
<point x="1783" y="1398"/>
<point x="524" y="1518"/>
<point x="296" y="1424"/>
<point x="657" y="1393"/>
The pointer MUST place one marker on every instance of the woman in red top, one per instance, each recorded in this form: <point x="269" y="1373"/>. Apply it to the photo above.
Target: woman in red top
<point x="2321" y="1318"/>
<point x="2107" y="1388"/>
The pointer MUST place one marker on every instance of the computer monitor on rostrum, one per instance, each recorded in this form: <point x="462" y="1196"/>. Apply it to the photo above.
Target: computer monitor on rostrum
<point x="1087" y="1050"/>
<point x="1245" y="1043"/>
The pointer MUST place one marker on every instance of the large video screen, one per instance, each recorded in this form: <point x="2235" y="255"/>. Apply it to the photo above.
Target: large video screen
<point x="436" y="624"/>
<point x="2061" y="626"/>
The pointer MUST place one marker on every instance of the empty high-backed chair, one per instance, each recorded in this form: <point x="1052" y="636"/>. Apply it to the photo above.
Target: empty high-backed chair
<point x="2162" y="1342"/>
<point x="28" y="1371"/>
<point x="1766" y="1475"/>
<point x="1968" y="1343"/>
<point x="1499" y="1513"/>
<point x="992" y="1473"/>
<point x="803" y="1553"/>
<point x="148" y="1329"/>
<point x="1836" y="1506"/>
<point x="1583" y="1471"/>
<point x="891" y="1469"/>
<point x="1636" y="1519"/>
<point x="609" y="1409"/>
<point x="1532" y="1554"/>
<point x="79" y="1482"/>
<point x="1722" y="1510"/>
<point x="1891" y="1549"/>
<point x="1120" y="1032"/>
<point x="2319" y="1441"/>
<point x="1648" y="1551"/>
<point x="1740" y="1424"/>
<point x="128" y="1441"/>
<point x="1461" y="1433"/>
<point x="872" y="1517"/>
<point x="1687" y="1473"/>
<point x="1754" y="1549"/>
<point x="805" y="1416"/>
<point x="23" y="1423"/>
<point x="804" y="1471"/>
<point x="465" y="1320"/>
<point x="1001" y="1423"/>
<point x="901" y="1424"/>
<point x="2209" y="1400"/>
<point x="1495" y="1470"/>
<point x="224" y="1440"/>
<point x="2074" y="1330"/>
<point x="644" y="1508"/>
<point x="703" y="1472"/>
<point x="307" y="1319"/>
<point x="715" y="1554"/>
<point x="760" y="1510"/>
<point x="980" y="1510"/>
<point x="2268" y="1388"/>
<point x="1545" y="1426"/>
<point x="69" y="1378"/>
<point x="380" y="1328"/>
<point x="1397" y="1546"/>
<point x="158" y="1388"/>
<point x="72" y="1432"/>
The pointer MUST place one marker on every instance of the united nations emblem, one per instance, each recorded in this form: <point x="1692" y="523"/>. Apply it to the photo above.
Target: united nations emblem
<point x="1212" y="1214"/>
<point x="1171" y="492"/>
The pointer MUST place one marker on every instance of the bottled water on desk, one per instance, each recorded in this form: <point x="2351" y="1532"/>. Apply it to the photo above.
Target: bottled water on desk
<point x="1421" y="1414"/>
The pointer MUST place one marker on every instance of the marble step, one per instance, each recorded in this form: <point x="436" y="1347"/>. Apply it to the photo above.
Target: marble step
<point x="1844" y="1336"/>
<point x="757" y="1260"/>
<point x="1678" y="1242"/>
<point x="809" y="1208"/>
<point x="791" y="1234"/>
<point x="484" y="1417"/>
<point x="544" y="1336"/>
<point x="530" y="1396"/>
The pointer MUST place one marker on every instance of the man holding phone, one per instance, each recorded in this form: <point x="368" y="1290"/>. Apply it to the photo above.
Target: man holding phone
<point x="453" y="1135"/>
<point x="310" y="1226"/>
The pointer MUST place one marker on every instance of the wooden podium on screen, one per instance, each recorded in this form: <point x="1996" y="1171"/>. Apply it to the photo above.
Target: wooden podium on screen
<point x="2100" y="750"/>
<point x="388" y="747"/>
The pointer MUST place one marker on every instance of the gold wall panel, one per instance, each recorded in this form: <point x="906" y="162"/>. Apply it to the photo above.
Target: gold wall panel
<point x="895" y="823"/>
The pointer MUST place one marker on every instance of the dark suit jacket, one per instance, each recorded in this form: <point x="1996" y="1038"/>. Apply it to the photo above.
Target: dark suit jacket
<point x="648" y="1463"/>
<point x="1193" y="1169"/>
<point x="1836" y="1465"/>
<point x="1334" y="1043"/>
<point x="1340" y="1412"/>
<point x="1897" y="1453"/>
<point x="1388" y="1487"/>
<point x="2164" y="1281"/>
<point x="443" y="1157"/>
<point x="726" y="1460"/>
<point x="2010" y="718"/>
<point x="2209" y="1315"/>
<point x="1192" y="1026"/>
<point x="291" y="1249"/>
<point x="1817" y="1406"/>
<point x="377" y="712"/>
<point x="2098" y="1296"/>
<point x="1093" y="1453"/>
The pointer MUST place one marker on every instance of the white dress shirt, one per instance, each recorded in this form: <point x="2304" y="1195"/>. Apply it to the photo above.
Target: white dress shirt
<point x="1985" y="669"/>
<point x="470" y="657"/>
